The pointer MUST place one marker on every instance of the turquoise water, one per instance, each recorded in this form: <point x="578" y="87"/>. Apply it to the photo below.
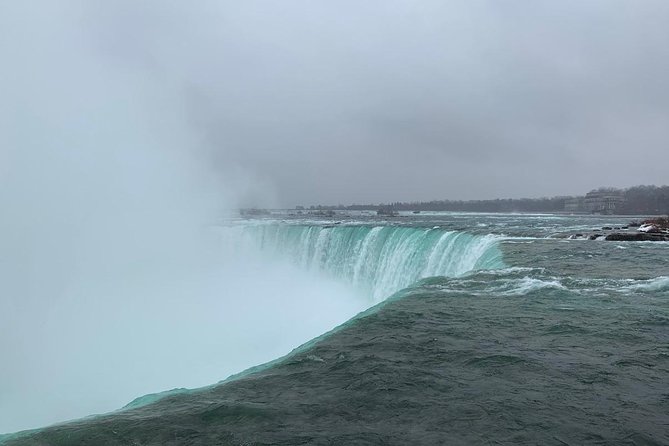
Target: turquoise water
<point x="381" y="256"/>
<point x="378" y="260"/>
<point x="500" y="330"/>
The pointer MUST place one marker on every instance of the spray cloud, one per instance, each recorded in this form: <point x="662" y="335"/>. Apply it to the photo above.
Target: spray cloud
<point x="112" y="284"/>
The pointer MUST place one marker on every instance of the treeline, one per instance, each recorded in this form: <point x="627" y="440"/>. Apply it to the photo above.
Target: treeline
<point x="637" y="200"/>
<point x="646" y="200"/>
<point x="555" y="204"/>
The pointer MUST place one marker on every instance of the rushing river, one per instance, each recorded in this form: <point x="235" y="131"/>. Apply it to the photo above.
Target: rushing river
<point x="481" y="329"/>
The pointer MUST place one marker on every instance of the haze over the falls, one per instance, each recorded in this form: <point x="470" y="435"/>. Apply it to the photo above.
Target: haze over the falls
<point x="379" y="101"/>
<point x="112" y="283"/>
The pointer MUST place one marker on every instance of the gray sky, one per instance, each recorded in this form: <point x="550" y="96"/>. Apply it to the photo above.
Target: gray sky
<point x="304" y="102"/>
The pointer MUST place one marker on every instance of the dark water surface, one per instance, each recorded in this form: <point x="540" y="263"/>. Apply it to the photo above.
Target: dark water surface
<point x="545" y="341"/>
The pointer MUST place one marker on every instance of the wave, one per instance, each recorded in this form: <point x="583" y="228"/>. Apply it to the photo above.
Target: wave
<point x="657" y="284"/>
<point x="527" y="281"/>
<point x="527" y="285"/>
<point x="379" y="260"/>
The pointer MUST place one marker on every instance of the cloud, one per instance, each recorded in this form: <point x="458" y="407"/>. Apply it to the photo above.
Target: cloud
<point x="352" y="101"/>
<point x="382" y="101"/>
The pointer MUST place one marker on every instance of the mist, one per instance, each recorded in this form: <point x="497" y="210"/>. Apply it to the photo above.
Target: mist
<point x="301" y="102"/>
<point x="386" y="101"/>
<point x="128" y="130"/>
<point x="115" y="280"/>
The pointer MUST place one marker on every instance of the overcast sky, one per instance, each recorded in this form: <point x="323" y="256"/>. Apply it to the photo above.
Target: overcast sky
<point x="305" y="102"/>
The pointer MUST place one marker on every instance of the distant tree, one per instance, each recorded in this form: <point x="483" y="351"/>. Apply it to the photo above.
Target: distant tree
<point x="652" y="200"/>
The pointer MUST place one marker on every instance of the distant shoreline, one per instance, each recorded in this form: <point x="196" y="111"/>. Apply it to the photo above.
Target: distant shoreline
<point x="637" y="200"/>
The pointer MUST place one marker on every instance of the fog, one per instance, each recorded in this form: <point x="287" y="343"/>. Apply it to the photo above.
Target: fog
<point x="308" y="102"/>
<point x="348" y="101"/>
<point x="114" y="279"/>
<point x="128" y="130"/>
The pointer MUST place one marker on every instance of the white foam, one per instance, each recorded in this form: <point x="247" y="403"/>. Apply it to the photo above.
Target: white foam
<point x="526" y="285"/>
<point x="379" y="260"/>
<point x="657" y="284"/>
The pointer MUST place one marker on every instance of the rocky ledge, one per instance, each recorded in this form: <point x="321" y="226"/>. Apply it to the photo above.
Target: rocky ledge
<point x="650" y="230"/>
<point x="637" y="237"/>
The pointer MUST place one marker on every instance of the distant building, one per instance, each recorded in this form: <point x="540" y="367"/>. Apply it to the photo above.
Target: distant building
<point x="603" y="201"/>
<point x="575" y="205"/>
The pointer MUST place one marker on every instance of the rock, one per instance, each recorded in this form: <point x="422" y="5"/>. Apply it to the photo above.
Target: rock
<point x="607" y="228"/>
<point x="636" y="237"/>
<point x="387" y="212"/>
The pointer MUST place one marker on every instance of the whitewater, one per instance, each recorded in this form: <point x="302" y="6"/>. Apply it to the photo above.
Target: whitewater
<point x="236" y="295"/>
<point x="377" y="260"/>
<point x="473" y="327"/>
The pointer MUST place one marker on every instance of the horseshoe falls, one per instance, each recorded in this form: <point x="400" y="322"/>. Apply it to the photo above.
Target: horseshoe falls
<point x="257" y="291"/>
<point x="500" y="330"/>
<point x="377" y="260"/>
